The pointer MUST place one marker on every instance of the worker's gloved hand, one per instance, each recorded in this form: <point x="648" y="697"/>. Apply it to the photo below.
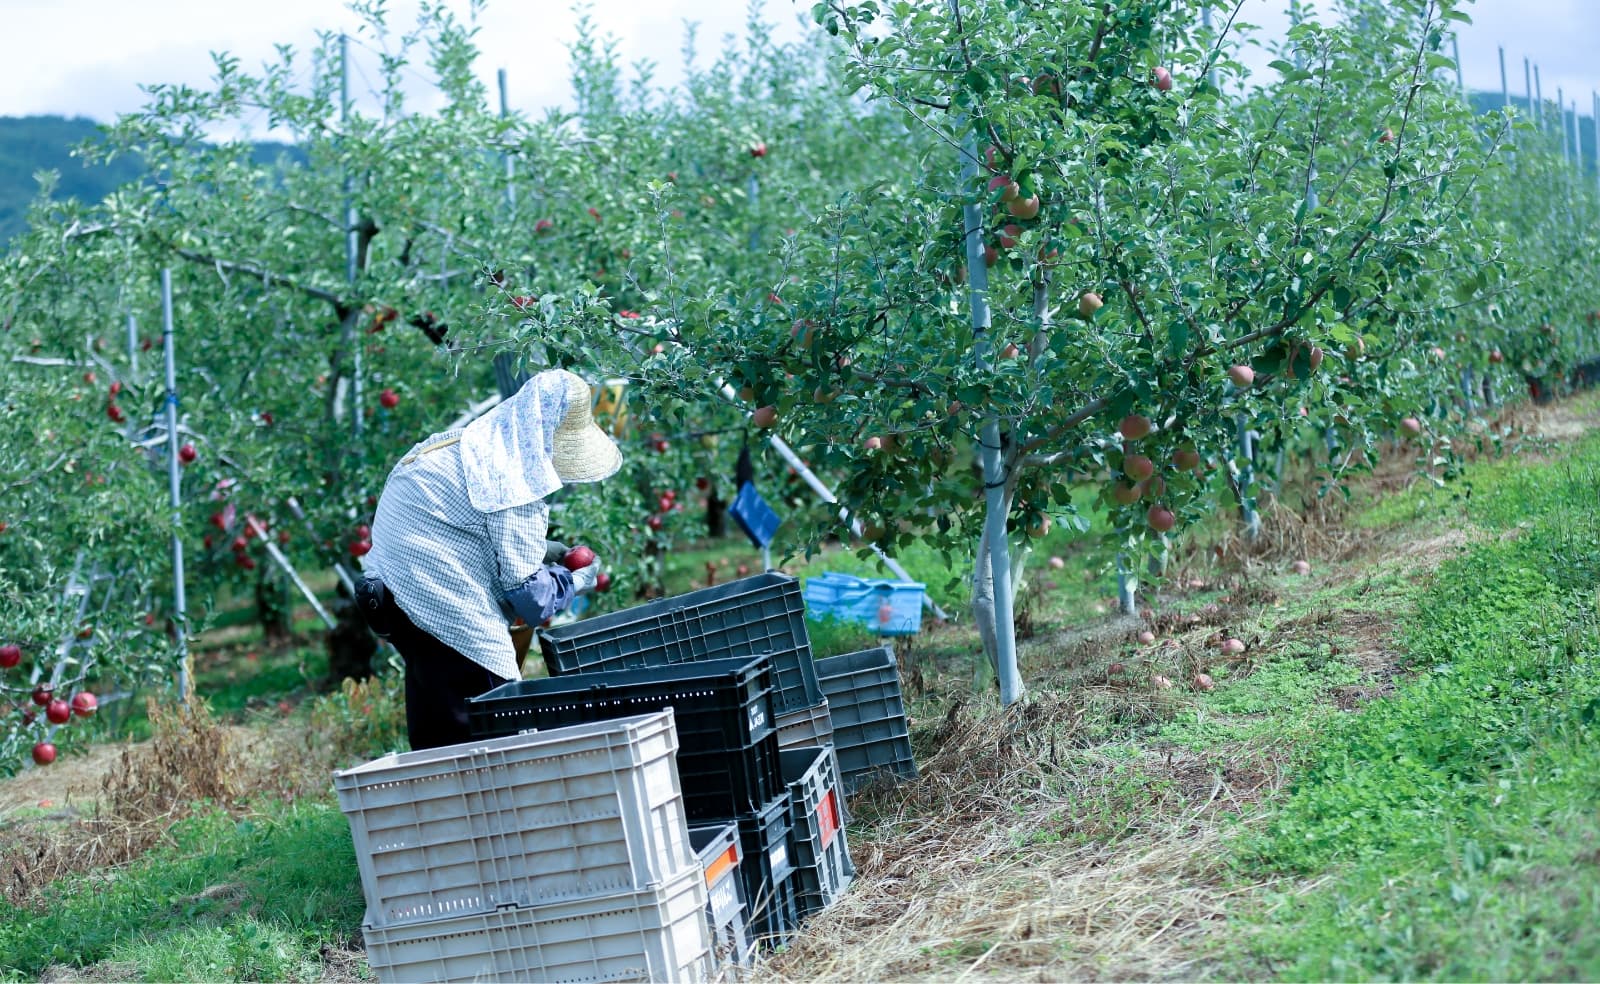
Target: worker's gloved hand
<point x="584" y="579"/>
<point x="553" y="551"/>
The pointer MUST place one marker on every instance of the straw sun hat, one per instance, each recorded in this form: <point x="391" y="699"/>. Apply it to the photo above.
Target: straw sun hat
<point x="581" y="450"/>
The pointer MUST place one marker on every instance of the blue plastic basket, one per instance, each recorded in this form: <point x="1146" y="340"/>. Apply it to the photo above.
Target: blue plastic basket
<point x="885" y="607"/>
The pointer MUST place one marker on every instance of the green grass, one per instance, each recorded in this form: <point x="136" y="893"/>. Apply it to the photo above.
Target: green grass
<point x="250" y="899"/>
<point x="1455" y="827"/>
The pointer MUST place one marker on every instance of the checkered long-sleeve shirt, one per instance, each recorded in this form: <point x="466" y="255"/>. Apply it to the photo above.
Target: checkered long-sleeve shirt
<point x="448" y="565"/>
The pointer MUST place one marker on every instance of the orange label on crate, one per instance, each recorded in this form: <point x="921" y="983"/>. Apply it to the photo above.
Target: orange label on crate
<point x="828" y="818"/>
<point x="721" y="863"/>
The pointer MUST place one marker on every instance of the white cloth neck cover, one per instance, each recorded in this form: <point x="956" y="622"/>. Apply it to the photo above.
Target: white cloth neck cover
<point x="506" y="454"/>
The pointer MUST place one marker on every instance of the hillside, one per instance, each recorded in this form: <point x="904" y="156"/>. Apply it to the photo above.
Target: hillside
<point x="32" y="144"/>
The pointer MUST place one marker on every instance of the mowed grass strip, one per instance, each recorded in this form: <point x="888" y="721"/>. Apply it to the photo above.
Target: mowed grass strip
<point x="1452" y="831"/>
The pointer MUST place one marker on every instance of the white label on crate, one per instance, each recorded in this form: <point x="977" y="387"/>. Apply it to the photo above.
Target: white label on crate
<point x="758" y="718"/>
<point x="778" y="857"/>
<point x="722" y="897"/>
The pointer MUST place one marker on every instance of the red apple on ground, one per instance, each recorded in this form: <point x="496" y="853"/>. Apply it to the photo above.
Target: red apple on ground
<point x="1146" y="637"/>
<point x="389" y="399"/>
<point x="1088" y="303"/>
<point x="1160" y="682"/>
<point x="44" y="753"/>
<point x="1203" y="682"/>
<point x="1163" y="79"/>
<point x="1057" y="563"/>
<point x="1232" y="647"/>
<point x="1138" y="467"/>
<point x="1161" y="519"/>
<point x="1116" y="669"/>
<point x="1242" y="376"/>
<point x="10" y="655"/>
<point x="1301" y="567"/>
<point x="58" y="711"/>
<point x="1134" y="426"/>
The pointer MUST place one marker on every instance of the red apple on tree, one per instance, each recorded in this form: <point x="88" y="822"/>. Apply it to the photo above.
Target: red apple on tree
<point x="1088" y="303"/>
<point x="42" y="694"/>
<point x="115" y="413"/>
<point x="1411" y="425"/>
<point x="44" y="753"/>
<point x="187" y="454"/>
<point x="58" y="711"/>
<point x="359" y="548"/>
<point x="764" y="417"/>
<point x="1009" y="234"/>
<point x="1186" y="458"/>
<point x="1008" y="189"/>
<point x="1125" y="494"/>
<point x="10" y="655"/>
<point x="1496" y="356"/>
<point x="1024" y="208"/>
<point x="389" y="399"/>
<point x="1242" y="376"/>
<point x="758" y="149"/>
<point x="873" y="443"/>
<point x="543" y="227"/>
<point x="1134" y="426"/>
<point x="1163" y="79"/>
<point x="1138" y="467"/>
<point x="1161" y="519"/>
<point x="654" y="522"/>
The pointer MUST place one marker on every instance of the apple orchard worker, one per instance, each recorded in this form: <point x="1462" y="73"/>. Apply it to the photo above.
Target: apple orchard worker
<point x="459" y="547"/>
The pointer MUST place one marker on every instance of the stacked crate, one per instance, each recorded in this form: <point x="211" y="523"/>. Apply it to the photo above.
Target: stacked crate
<point x="559" y="855"/>
<point x="718" y="849"/>
<point x="727" y="760"/>
<point x="822" y="867"/>
<point x="871" y="736"/>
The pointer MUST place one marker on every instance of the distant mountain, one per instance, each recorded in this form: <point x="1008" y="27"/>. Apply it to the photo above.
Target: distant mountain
<point x="30" y="144"/>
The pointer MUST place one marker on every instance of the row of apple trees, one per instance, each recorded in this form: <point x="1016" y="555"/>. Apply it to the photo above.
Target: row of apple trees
<point x="1165" y="247"/>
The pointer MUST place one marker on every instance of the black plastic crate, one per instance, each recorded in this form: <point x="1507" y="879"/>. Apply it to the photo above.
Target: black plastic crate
<point x="822" y="866"/>
<point x="727" y="742"/>
<point x="778" y="915"/>
<point x="760" y="614"/>
<point x="764" y="837"/>
<point x="870" y="735"/>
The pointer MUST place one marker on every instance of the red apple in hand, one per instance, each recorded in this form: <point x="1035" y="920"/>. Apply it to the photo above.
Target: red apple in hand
<point x="577" y="558"/>
<point x="84" y="703"/>
<point x="10" y="655"/>
<point x="44" y="753"/>
<point x="58" y="711"/>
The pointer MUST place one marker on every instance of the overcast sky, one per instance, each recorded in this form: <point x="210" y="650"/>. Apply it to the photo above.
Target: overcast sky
<point x="88" y="57"/>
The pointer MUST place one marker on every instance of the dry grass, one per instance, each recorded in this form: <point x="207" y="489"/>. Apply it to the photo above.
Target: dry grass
<point x="1013" y="857"/>
<point x="188" y="761"/>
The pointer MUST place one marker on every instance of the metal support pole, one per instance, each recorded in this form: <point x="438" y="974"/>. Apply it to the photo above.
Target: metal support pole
<point x="1127" y="584"/>
<point x="180" y="604"/>
<point x="511" y="164"/>
<point x="1505" y="90"/>
<point x="288" y="568"/>
<point x="351" y="238"/>
<point x="753" y="195"/>
<point x="999" y="559"/>
<point x="1455" y="53"/>
<point x="1538" y="100"/>
<point x="133" y="344"/>
<point x="1561" y="126"/>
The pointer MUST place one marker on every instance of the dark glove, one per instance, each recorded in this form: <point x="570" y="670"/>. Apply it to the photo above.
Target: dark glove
<point x="553" y="552"/>
<point x="373" y="601"/>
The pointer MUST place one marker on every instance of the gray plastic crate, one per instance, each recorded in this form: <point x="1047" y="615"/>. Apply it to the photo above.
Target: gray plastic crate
<point x="753" y="615"/>
<point x="719" y="851"/>
<point x="589" y="810"/>
<point x="870" y="735"/>
<point x="806" y="727"/>
<point x="822" y="866"/>
<point x="656" y="935"/>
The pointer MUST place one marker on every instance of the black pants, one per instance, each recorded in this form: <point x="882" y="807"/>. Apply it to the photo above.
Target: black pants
<point x="439" y="680"/>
